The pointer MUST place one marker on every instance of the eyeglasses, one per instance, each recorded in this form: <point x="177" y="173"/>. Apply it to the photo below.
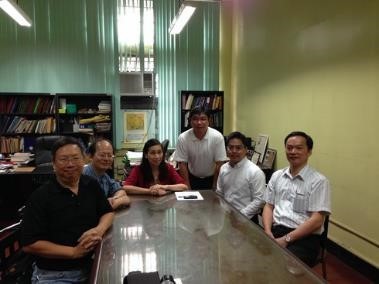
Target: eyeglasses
<point x="66" y="160"/>
<point x="105" y="156"/>
<point x="199" y="118"/>
<point x="235" y="147"/>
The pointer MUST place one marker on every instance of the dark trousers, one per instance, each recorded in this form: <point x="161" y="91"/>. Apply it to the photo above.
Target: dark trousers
<point x="255" y="219"/>
<point x="200" y="183"/>
<point x="307" y="249"/>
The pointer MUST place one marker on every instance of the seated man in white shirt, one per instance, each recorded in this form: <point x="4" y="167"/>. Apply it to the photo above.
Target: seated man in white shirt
<point x="240" y="181"/>
<point x="297" y="201"/>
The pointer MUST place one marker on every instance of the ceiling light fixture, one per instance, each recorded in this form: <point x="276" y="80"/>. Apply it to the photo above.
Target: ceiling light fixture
<point x="14" y="11"/>
<point x="181" y="18"/>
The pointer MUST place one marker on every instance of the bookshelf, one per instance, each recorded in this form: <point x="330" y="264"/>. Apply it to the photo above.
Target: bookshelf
<point x="86" y="116"/>
<point x="213" y="101"/>
<point x="25" y="116"/>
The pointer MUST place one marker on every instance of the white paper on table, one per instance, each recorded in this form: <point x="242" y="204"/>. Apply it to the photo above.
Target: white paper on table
<point x="186" y="195"/>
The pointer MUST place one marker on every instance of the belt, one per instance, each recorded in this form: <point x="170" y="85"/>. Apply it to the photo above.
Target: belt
<point x="201" y="177"/>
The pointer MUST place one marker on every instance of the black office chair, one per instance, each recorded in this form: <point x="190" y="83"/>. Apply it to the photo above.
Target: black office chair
<point x="42" y="151"/>
<point x="165" y="144"/>
<point x="323" y="245"/>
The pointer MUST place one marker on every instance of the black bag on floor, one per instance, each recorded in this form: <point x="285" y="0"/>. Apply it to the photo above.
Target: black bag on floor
<point x="138" y="277"/>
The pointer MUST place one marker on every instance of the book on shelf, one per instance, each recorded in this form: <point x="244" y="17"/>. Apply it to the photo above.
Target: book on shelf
<point x="184" y="101"/>
<point x="13" y="124"/>
<point x="104" y="107"/>
<point x="189" y="102"/>
<point x="186" y="118"/>
<point x="11" y="105"/>
<point x="38" y="101"/>
<point x="10" y="144"/>
<point x="86" y="130"/>
<point x="21" y="126"/>
<point x="207" y="103"/>
<point x="3" y="104"/>
<point x="103" y="126"/>
<point x="30" y="107"/>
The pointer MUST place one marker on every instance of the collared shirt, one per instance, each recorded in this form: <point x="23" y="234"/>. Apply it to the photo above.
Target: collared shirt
<point x="201" y="155"/>
<point x="243" y="186"/>
<point x="296" y="198"/>
<point x="136" y="177"/>
<point x="108" y="184"/>
<point x="54" y="213"/>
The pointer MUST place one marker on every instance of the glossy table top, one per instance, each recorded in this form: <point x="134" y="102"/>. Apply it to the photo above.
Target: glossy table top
<point x="196" y="241"/>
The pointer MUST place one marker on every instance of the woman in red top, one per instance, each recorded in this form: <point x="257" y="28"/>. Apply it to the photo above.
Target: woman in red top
<point x="154" y="176"/>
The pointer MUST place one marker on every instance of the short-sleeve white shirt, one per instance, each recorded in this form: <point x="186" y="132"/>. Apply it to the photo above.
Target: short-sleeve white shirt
<point x="243" y="186"/>
<point x="201" y="155"/>
<point x="295" y="198"/>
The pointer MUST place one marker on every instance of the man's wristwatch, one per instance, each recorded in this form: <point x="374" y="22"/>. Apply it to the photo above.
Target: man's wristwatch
<point x="287" y="238"/>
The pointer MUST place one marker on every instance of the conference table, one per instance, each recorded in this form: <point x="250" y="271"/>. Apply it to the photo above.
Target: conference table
<point x="196" y="241"/>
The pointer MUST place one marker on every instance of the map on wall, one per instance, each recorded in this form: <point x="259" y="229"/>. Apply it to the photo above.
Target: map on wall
<point x="135" y="127"/>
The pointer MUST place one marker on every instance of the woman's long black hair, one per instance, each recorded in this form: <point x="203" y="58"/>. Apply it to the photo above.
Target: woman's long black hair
<point x="145" y="165"/>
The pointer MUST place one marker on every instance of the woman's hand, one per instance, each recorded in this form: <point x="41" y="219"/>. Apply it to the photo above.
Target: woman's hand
<point x="158" y="190"/>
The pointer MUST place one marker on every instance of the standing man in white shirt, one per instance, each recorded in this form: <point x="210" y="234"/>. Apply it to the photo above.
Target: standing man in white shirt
<point x="297" y="201"/>
<point x="241" y="182"/>
<point x="200" y="152"/>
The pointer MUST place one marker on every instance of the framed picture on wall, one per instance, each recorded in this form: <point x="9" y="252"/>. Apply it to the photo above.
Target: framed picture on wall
<point x="135" y="128"/>
<point x="255" y="158"/>
<point x="269" y="159"/>
<point x="261" y="145"/>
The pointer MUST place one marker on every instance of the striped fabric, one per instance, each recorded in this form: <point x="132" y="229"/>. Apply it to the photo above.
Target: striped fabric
<point x="295" y="198"/>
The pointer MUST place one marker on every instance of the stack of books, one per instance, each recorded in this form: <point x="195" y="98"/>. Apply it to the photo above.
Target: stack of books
<point x="22" y="158"/>
<point x="104" y="107"/>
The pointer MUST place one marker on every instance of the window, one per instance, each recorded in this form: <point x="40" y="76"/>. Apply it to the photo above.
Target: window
<point x="136" y="53"/>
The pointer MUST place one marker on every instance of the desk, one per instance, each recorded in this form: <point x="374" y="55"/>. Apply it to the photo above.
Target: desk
<point x="204" y="242"/>
<point x="16" y="188"/>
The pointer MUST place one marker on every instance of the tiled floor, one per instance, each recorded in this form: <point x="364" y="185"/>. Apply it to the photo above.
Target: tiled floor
<point x="338" y="272"/>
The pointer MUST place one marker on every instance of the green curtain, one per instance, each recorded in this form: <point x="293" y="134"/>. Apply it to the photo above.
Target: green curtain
<point x="189" y="61"/>
<point x="69" y="48"/>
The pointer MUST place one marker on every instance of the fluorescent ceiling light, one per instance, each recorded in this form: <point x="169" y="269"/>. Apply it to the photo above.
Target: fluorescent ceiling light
<point x="181" y="19"/>
<point x="14" y="11"/>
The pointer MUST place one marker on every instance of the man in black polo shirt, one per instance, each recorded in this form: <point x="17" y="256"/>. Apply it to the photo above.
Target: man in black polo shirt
<point x="65" y="219"/>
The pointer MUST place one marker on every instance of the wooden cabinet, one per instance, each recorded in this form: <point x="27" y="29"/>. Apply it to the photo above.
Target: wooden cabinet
<point x="212" y="101"/>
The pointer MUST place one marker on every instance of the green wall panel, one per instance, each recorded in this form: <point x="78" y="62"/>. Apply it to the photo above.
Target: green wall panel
<point x="188" y="61"/>
<point x="69" y="48"/>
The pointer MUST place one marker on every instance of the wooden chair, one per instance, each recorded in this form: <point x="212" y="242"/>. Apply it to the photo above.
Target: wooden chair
<point x="15" y="265"/>
<point x="323" y="245"/>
